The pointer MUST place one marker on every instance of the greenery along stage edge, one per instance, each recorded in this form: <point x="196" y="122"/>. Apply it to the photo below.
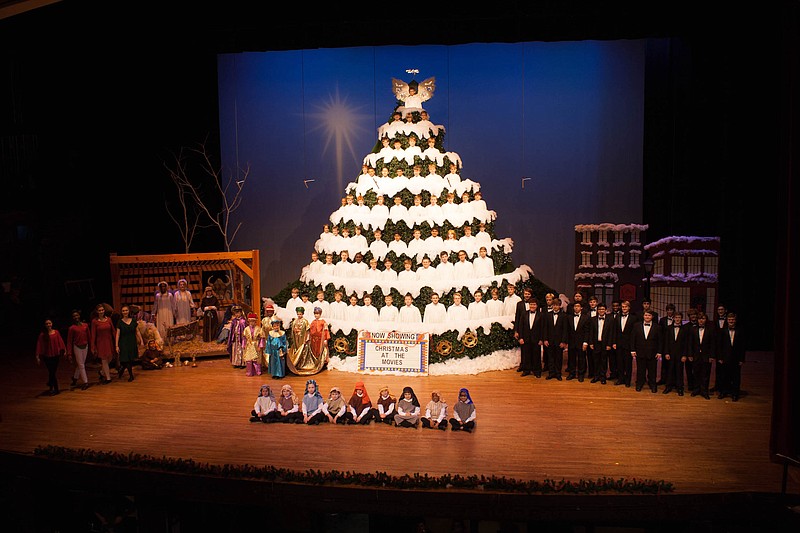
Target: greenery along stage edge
<point x="335" y="477"/>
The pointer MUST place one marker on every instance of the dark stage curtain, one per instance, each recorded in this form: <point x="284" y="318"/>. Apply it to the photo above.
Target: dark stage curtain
<point x="785" y="434"/>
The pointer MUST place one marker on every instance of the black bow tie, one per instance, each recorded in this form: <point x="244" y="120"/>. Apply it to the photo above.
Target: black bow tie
<point x="647" y="325"/>
<point x="599" y="318"/>
<point x="531" y="312"/>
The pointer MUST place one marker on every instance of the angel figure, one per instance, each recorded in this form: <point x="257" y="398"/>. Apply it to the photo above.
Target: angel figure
<point x="412" y="94"/>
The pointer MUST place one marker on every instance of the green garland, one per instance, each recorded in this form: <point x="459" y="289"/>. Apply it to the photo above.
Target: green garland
<point x="336" y="477"/>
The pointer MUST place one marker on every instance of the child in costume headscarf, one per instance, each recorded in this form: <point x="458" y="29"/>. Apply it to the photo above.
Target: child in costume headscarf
<point x="288" y="406"/>
<point x="335" y="408"/>
<point x="360" y="406"/>
<point x="385" y="406"/>
<point x="408" y="409"/>
<point x="265" y="407"/>
<point x="275" y="349"/>
<point x="312" y="404"/>
<point x="435" y="413"/>
<point x="463" y="412"/>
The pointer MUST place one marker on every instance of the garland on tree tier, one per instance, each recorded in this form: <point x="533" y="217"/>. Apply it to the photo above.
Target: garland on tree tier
<point x="415" y="481"/>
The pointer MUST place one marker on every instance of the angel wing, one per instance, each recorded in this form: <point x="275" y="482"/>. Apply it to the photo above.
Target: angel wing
<point x="400" y="89"/>
<point x="426" y="89"/>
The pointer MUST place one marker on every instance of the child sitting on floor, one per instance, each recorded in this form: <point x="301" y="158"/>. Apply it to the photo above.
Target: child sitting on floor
<point x="265" y="408"/>
<point x="435" y="413"/>
<point x="463" y="412"/>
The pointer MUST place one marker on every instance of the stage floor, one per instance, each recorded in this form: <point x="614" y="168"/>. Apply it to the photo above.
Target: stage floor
<point x="527" y="428"/>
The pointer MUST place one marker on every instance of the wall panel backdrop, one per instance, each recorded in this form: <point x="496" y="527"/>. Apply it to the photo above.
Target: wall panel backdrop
<point x="569" y="115"/>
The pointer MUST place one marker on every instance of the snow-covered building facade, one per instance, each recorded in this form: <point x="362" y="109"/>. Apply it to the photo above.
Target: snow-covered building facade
<point x="608" y="261"/>
<point x="685" y="273"/>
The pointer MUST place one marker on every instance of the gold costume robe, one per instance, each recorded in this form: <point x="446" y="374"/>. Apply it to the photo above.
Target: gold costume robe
<point x="308" y="354"/>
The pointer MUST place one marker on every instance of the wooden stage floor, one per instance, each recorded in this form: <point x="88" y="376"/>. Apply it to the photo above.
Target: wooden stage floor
<point x="527" y="428"/>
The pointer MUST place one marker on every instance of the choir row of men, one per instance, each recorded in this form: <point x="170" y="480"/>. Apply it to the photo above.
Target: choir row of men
<point x="603" y="344"/>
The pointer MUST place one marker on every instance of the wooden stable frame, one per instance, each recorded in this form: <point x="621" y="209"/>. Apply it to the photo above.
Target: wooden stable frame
<point x="134" y="277"/>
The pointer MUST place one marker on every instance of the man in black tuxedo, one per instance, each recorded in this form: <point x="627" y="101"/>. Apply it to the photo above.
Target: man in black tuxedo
<point x="720" y="325"/>
<point x="613" y="313"/>
<point x="520" y="310"/>
<point x="677" y="342"/>
<point x="730" y="359"/>
<point x="577" y="342"/>
<point x="528" y="332"/>
<point x="665" y="322"/>
<point x="646" y="348"/>
<point x="647" y="305"/>
<point x="601" y="328"/>
<point x="702" y="351"/>
<point x="623" y="328"/>
<point x="555" y="339"/>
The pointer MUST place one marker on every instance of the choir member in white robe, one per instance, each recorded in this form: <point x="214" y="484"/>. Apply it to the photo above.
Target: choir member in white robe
<point x="511" y="300"/>
<point x="378" y="247"/>
<point x="409" y="314"/>
<point x="379" y="213"/>
<point x="457" y="313"/>
<point x="435" y="312"/>
<point x="388" y="314"/>
<point x="483" y="264"/>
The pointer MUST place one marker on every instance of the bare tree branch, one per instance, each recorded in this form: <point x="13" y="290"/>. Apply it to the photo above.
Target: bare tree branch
<point x="216" y="203"/>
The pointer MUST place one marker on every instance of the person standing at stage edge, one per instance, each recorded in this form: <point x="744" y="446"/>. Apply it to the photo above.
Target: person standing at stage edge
<point x="520" y="310"/>
<point x="646" y="343"/>
<point x="601" y="329"/>
<point x="730" y="359"/>
<point x="623" y="326"/>
<point x="50" y="349"/>
<point x="555" y="339"/>
<point x="577" y="342"/>
<point x="528" y="332"/>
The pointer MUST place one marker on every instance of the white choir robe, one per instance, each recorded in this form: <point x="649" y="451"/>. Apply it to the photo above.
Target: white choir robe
<point x="464" y="270"/>
<point x="457" y="314"/>
<point x="337" y="310"/>
<point x="388" y="315"/>
<point x="409" y="314"/>
<point x="369" y="315"/>
<point x="510" y="304"/>
<point x="435" y="314"/>
<point x="379" y="250"/>
<point x="484" y="267"/>
<point x="495" y="307"/>
<point x="427" y="275"/>
<point x="478" y="311"/>
<point x="379" y="214"/>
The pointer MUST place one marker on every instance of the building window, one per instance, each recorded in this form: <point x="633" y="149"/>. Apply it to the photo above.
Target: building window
<point x="602" y="237"/>
<point x="604" y="292"/>
<point x="678" y="295"/>
<point x="586" y="259"/>
<point x="635" y="256"/>
<point x="658" y="267"/>
<point x="586" y="237"/>
<point x="694" y="264"/>
<point x="618" y="238"/>
<point x="602" y="259"/>
<point x="619" y="259"/>
<point x="711" y="301"/>
<point x="677" y="268"/>
<point x="634" y="236"/>
<point x="712" y="266"/>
